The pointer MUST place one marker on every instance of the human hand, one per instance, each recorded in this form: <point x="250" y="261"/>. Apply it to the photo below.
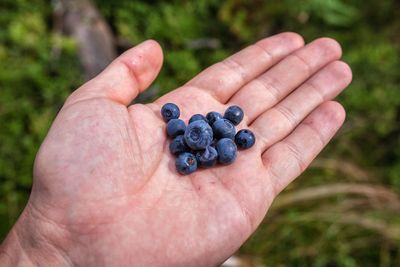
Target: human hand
<point x="105" y="189"/>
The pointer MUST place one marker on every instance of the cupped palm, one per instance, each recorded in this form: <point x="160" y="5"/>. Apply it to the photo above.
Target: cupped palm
<point x="104" y="177"/>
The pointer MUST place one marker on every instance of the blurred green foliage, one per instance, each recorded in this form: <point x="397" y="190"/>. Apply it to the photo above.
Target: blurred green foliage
<point x="39" y="68"/>
<point x="33" y="86"/>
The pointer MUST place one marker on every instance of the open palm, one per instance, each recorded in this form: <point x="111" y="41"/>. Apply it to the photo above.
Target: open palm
<point x="105" y="186"/>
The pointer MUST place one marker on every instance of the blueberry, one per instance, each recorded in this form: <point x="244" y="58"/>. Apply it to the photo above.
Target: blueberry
<point x="214" y="142"/>
<point x="226" y="149"/>
<point x="213" y="116"/>
<point x="197" y="117"/>
<point x="178" y="145"/>
<point x="198" y="135"/>
<point x="234" y="114"/>
<point x="207" y="158"/>
<point x="197" y="155"/>
<point x="175" y="127"/>
<point x="186" y="163"/>
<point x="170" y="111"/>
<point x="245" y="139"/>
<point x="224" y="129"/>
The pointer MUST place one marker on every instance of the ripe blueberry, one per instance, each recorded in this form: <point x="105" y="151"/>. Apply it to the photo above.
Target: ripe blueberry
<point x="178" y="145"/>
<point x="175" y="127"/>
<point x="186" y="163"/>
<point x="224" y="129"/>
<point x="207" y="158"/>
<point x="213" y="116"/>
<point x="170" y="111"/>
<point x="198" y="135"/>
<point x="226" y="149"/>
<point x="245" y="139"/>
<point x="234" y="114"/>
<point x="197" y="117"/>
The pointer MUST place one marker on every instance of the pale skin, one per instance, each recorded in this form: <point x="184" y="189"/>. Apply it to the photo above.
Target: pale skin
<point x="105" y="189"/>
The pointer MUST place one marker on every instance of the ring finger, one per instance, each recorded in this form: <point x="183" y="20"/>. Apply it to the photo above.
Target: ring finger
<point x="271" y="87"/>
<point x="274" y="124"/>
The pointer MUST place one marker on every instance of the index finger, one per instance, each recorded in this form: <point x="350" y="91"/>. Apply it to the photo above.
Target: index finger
<point x="224" y="78"/>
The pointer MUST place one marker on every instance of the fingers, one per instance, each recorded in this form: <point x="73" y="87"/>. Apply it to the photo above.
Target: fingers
<point x="127" y="76"/>
<point x="223" y="79"/>
<point x="268" y="89"/>
<point x="279" y="121"/>
<point x="287" y="159"/>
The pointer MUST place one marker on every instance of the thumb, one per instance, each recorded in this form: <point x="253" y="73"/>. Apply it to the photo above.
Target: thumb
<point x="126" y="77"/>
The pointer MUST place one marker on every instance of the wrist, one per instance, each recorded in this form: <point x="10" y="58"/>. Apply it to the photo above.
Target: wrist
<point x="31" y="242"/>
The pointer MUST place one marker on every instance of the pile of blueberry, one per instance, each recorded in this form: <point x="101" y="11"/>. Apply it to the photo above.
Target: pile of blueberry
<point x="206" y="140"/>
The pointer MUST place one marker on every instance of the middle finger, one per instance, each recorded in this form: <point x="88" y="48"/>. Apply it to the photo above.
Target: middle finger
<point x="271" y="87"/>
